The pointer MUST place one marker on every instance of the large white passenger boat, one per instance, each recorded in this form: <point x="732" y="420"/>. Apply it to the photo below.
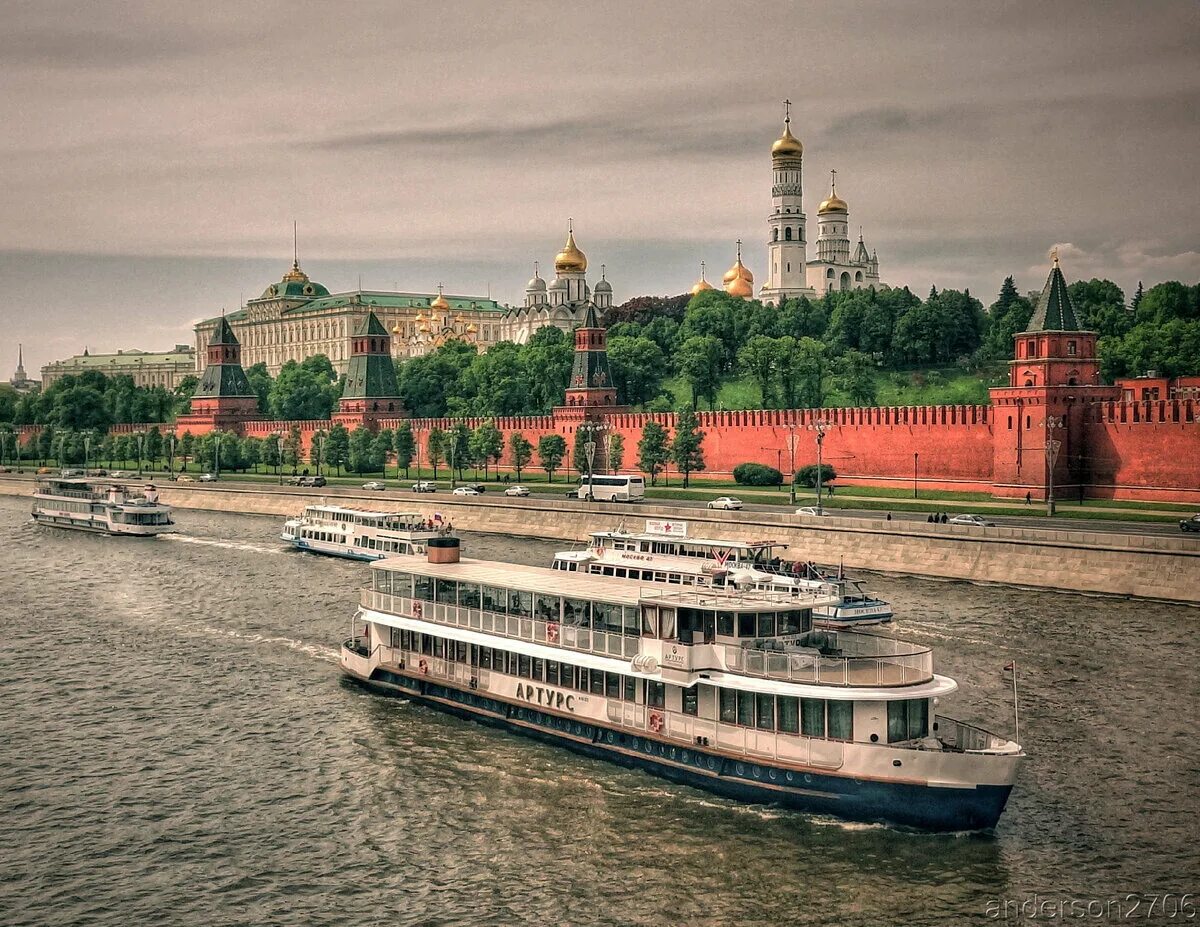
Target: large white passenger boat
<point x="663" y="553"/>
<point x="731" y="692"/>
<point x="358" y="534"/>
<point x="105" y="506"/>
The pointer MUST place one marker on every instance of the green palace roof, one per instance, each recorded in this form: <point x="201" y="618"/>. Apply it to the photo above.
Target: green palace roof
<point x="125" y="358"/>
<point x="377" y="299"/>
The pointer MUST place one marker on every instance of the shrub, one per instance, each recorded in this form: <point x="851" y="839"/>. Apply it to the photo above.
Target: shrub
<point x="756" y="474"/>
<point x="807" y="476"/>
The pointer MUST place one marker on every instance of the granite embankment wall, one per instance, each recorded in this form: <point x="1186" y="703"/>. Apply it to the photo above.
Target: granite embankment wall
<point x="1147" y="566"/>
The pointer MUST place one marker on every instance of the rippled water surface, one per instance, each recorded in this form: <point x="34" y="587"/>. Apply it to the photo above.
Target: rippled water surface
<point x="177" y="747"/>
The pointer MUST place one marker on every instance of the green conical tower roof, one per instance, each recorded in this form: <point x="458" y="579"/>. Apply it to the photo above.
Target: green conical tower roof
<point x="371" y="374"/>
<point x="1054" y="312"/>
<point x="224" y="376"/>
<point x="223" y="333"/>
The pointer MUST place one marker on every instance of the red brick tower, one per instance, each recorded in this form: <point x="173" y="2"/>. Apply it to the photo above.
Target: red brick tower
<point x="224" y="398"/>
<point x="371" y="392"/>
<point x="1039" y="416"/>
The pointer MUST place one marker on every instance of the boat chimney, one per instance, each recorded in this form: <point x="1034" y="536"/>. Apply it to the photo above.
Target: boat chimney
<point x="442" y="550"/>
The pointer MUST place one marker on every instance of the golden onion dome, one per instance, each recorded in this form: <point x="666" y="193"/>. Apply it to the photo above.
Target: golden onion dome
<point x="440" y="303"/>
<point x="740" y="287"/>
<point x="570" y="258"/>
<point x="420" y="318"/>
<point x="833" y="202"/>
<point x="787" y="145"/>
<point x="472" y="329"/>
<point x="738" y="271"/>
<point x="700" y="286"/>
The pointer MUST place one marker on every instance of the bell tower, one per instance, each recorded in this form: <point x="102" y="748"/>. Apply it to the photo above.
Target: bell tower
<point x="787" y="244"/>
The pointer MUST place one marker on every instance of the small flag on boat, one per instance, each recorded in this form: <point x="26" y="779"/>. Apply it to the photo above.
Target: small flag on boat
<point x="1010" y="666"/>
<point x="437" y="516"/>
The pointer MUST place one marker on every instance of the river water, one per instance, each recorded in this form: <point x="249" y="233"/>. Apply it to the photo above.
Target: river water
<point x="177" y="747"/>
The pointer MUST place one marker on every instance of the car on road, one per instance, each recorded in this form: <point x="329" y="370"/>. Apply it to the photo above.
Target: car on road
<point x="313" y="482"/>
<point x="1190" y="524"/>
<point x="374" y="484"/>
<point x="424" y="486"/>
<point x="517" y="490"/>
<point x="5" y="469"/>
<point x="466" y="491"/>
<point x="185" y="478"/>
<point x="726" y="502"/>
<point x="208" y="477"/>
<point x="975" y="521"/>
<point x="812" y="510"/>
<point x="69" y="472"/>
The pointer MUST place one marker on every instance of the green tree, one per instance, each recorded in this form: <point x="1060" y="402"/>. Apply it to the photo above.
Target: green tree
<point x="252" y="452"/>
<point x="337" y="448"/>
<point x="270" y="454"/>
<point x="304" y="391"/>
<point x="856" y="378"/>
<point x="435" y="446"/>
<point x="757" y="358"/>
<point x="1008" y="315"/>
<point x="187" y="448"/>
<point x="520" y="452"/>
<point x="361" y="458"/>
<point x="551" y="451"/>
<point x="154" y="445"/>
<point x="638" y="368"/>
<point x="260" y="382"/>
<point x="381" y="448"/>
<point x="489" y="444"/>
<point x="616" y="451"/>
<point x="653" y="450"/>
<point x="291" y="448"/>
<point x="700" y="363"/>
<point x="1100" y="306"/>
<point x="458" y="447"/>
<point x="405" y="447"/>
<point x="686" y="449"/>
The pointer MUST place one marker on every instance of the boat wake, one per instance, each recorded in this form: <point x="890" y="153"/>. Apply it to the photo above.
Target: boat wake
<point x="228" y="545"/>
<point x="917" y="629"/>
<point x="328" y="654"/>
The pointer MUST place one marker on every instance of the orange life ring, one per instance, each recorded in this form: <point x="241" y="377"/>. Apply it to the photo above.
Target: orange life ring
<point x="424" y="667"/>
<point x="656" y="721"/>
<point x="552" y="633"/>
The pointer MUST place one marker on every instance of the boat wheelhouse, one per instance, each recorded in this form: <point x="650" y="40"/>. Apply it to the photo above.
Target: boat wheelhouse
<point x="101" y="506"/>
<point x="728" y="691"/>
<point x="360" y="534"/>
<point x="665" y="554"/>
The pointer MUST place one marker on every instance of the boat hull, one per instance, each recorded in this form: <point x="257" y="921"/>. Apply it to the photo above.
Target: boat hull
<point x="904" y="804"/>
<point x="97" y="527"/>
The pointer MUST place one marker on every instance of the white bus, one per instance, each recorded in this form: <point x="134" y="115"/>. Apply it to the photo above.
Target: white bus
<point x="617" y="487"/>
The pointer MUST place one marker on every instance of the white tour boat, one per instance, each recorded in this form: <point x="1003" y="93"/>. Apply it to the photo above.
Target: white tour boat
<point x="359" y="534"/>
<point x="105" y="506"/>
<point x="728" y="691"/>
<point x="663" y="553"/>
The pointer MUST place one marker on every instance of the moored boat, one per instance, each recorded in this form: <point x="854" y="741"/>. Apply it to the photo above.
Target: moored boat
<point x="102" y="506"/>
<point x="728" y="691"/>
<point x="664" y="553"/>
<point x="360" y="534"/>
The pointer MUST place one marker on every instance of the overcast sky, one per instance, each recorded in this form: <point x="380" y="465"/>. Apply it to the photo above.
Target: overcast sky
<point x="154" y="155"/>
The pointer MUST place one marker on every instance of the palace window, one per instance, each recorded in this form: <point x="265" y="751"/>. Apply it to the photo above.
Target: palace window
<point x="1071" y="349"/>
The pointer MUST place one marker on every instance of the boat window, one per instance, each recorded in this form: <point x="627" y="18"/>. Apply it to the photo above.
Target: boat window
<point x="766" y="624"/>
<point x="725" y="623"/>
<point x="576" y="613"/>
<point x="630" y="613"/>
<point x="812" y="717"/>
<point x="667" y="623"/>
<point x="423" y="588"/>
<point x="494" y="600"/>
<point x="622" y="573"/>
<point x="745" y="709"/>
<point x="608" y="616"/>
<point x="841" y="719"/>
<point x="793" y="622"/>
<point x="630" y="684"/>
<point x="547" y="607"/>
<point x="597" y="682"/>
<point x="746" y="624"/>
<point x="612" y="685"/>
<point x="728" y="706"/>
<point x="520" y="603"/>
<point x="656" y="694"/>
<point x="650" y="620"/>
<point x="460" y="652"/>
<point x="691" y="701"/>
<point x="788" y="709"/>
<point x="485" y="658"/>
<point x="445" y="591"/>
<point x="468" y="595"/>
<point x="765" y="712"/>
<point x="552" y="672"/>
<point x="608" y="571"/>
<point x="538" y="668"/>
<point x="908" y="719"/>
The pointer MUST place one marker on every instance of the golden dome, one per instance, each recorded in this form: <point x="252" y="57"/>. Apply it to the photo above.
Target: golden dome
<point x="740" y="287"/>
<point x="420" y="318"/>
<point x="570" y="258"/>
<point x="832" y="203"/>
<point x="738" y="271"/>
<point x="472" y="329"/>
<point x="701" y="284"/>
<point x="295" y="275"/>
<point x="787" y="145"/>
<point x="440" y="303"/>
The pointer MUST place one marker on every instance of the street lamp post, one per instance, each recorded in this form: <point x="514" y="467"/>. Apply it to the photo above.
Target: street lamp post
<point x="171" y="455"/>
<point x="87" y="451"/>
<point x="916" y="455"/>
<point x="820" y="426"/>
<point x="279" y="458"/>
<point x="1052" y="448"/>
<point x="216" y="454"/>
<point x="141" y="443"/>
<point x="453" y="448"/>
<point x="589" y="450"/>
<point x="792" y="439"/>
<point x="318" y="446"/>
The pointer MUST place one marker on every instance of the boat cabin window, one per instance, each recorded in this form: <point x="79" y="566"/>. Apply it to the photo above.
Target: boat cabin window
<point x="656" y="694"/>
<point x="691" y="701"/>
<point x="658" y="622"/>
<point x="908" y="719"/>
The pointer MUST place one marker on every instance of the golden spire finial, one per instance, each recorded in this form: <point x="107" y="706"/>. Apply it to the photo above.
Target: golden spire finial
<point x="603" y="270"/>
<point x="833" y="181"/>
<point x="701" y="270"/>
<point x="739" y="250"/>
<point x="1054" y="255"/>
<point x="787" y="112"/>
<point x="536" y="265"/>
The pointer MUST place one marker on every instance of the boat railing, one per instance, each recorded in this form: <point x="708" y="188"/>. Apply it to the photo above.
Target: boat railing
<point x="516" y="627"/>
<point x="960" y="737"/>
<point x="834" y="658"/>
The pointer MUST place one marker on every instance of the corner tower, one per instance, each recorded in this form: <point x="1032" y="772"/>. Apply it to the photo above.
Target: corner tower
<point x="224" y="397"/>
<point x="787" y="244"/>
<point x="591" y="382"/>
<point x="371" y="392"/>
